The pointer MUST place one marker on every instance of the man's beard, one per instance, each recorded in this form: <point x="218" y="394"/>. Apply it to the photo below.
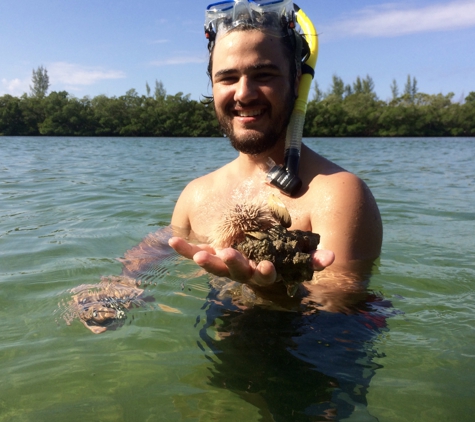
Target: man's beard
<point x="254" y="144"/>
<point x="257" y="142"/>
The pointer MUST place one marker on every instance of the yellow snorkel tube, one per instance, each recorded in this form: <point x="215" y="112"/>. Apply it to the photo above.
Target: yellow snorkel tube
<point x="286" y="178"/>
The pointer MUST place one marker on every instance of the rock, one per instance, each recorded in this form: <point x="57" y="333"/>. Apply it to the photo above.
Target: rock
<point x="288" y="250"/>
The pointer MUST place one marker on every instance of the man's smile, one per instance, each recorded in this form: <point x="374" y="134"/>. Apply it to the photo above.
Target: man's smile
<point x="248" y="113"/>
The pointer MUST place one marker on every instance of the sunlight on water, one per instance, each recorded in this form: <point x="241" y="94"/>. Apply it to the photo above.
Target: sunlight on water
<point x="69" y="208"/>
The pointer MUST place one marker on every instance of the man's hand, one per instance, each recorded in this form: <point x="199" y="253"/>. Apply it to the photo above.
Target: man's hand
<point x="232" y="264"/>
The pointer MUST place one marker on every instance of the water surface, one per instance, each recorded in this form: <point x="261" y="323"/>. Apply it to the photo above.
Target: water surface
<point x="70" y="206"/>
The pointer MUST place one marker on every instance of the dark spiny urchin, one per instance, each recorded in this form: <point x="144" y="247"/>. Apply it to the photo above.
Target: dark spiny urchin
<point x="241" y="218"/>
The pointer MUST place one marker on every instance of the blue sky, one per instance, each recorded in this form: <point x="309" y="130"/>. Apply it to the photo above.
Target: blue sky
<point x="92" y="47"/>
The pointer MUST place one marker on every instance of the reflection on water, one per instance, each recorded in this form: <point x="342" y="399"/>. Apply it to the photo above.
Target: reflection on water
<point x="297" y="364"/>
<point x="152" y="257"/>
<point x="299" y="359"/>
<point x="69" y="206"/>
<point x="103" y="306"/>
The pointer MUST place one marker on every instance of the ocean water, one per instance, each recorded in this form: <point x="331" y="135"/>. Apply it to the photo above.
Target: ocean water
<point x="69" y="207"/>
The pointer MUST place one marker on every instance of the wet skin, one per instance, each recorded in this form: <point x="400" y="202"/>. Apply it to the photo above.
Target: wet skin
<point x="251" y="88"/>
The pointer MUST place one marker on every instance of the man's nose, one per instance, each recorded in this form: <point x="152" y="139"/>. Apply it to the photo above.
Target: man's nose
<point x="246" y="90"/>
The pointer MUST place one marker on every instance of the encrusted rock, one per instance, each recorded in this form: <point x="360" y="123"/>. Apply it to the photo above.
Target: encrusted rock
<point x="288" y="250"/>
<point x="258" y="230"/>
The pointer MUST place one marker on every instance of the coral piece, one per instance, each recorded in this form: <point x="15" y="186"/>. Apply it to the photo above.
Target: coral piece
<point x="288" y="250"/>
<point x="258" y="231"/>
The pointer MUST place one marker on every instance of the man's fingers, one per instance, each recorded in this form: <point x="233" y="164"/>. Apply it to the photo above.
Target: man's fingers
<point x="211" y="263"/>
<point x="238" y="266"/>
<point x="188" y="250"/>
<point x="265" y="274"/>
<point x="322" y="259"/>
<point x="245" y="271"/>
<point x="183" y="247"/>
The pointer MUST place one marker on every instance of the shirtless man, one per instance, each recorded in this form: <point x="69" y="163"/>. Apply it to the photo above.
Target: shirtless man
<point x="254" y="87"/>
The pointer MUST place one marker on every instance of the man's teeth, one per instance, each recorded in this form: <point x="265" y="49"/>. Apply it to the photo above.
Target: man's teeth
<point x="249" y="113"/>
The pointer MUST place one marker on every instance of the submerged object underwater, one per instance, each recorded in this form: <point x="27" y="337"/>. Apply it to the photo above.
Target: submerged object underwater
<point x="258" y="229"/>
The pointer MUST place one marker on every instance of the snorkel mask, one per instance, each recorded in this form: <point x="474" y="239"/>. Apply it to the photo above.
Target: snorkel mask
<point x="276" y="17"/>
<point x="268" y="15"/>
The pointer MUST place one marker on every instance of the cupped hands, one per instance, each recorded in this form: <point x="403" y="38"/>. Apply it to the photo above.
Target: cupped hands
<point x="231" y="263"/>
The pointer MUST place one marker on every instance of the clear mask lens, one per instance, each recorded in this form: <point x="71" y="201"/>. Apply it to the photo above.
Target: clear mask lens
<point x="266" y="14"/>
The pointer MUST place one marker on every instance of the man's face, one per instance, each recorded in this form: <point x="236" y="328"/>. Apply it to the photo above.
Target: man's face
<point x="252" y="95"/>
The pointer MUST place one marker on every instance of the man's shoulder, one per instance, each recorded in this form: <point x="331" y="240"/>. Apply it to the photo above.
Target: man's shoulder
<point x="202" y="188"/>
<point x="322" y="171"/>
<point x="315" y="164"/>
<point x="208" y="180"/>
<point x="343" y="187"/>
<point x="341" y="177"/>
<point x="332" y="184"/>
<point x="196" y="193"/>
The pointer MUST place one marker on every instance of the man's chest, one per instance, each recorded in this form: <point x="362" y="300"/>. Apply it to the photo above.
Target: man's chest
<point x="210" y="209"/>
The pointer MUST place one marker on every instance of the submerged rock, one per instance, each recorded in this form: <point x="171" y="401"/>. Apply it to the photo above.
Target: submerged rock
<point x="104" y="305"/>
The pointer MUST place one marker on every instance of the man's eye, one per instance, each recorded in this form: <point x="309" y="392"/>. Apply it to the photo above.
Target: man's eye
<point x="264" y="76"/>
<point x="228" y="80"/>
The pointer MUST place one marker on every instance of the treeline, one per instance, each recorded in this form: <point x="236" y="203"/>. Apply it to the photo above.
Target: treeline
<point x="345" y="110"/>
<point x="355" y="110"/>
<point x="59" y="114"/>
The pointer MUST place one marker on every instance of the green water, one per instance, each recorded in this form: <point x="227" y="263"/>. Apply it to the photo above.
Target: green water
<point x="69" y="207"/>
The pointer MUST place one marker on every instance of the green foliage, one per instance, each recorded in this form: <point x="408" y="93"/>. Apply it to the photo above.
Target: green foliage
<point x="40" y="80"/>
<point x="66" y="116"/>
<point x="160" y="92"/>
<point x="318" y="94"/>
<point x="394" y="89"/>
<point x="346" y="110"/>
<point x="354" y="110"/>
<point x="410" y="89"/>
<point x="470" y="98"/>
<point x="368" y="85"/>
<point x="60" y="114"/>
<point x="337" y="89"/>
<point x="11" y="116"/>
<point x="358" y="86"/>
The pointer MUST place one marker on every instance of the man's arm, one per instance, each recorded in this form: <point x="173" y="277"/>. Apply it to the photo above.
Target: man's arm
<point x="347" y="219"/>
<point x="181" y="218"/>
